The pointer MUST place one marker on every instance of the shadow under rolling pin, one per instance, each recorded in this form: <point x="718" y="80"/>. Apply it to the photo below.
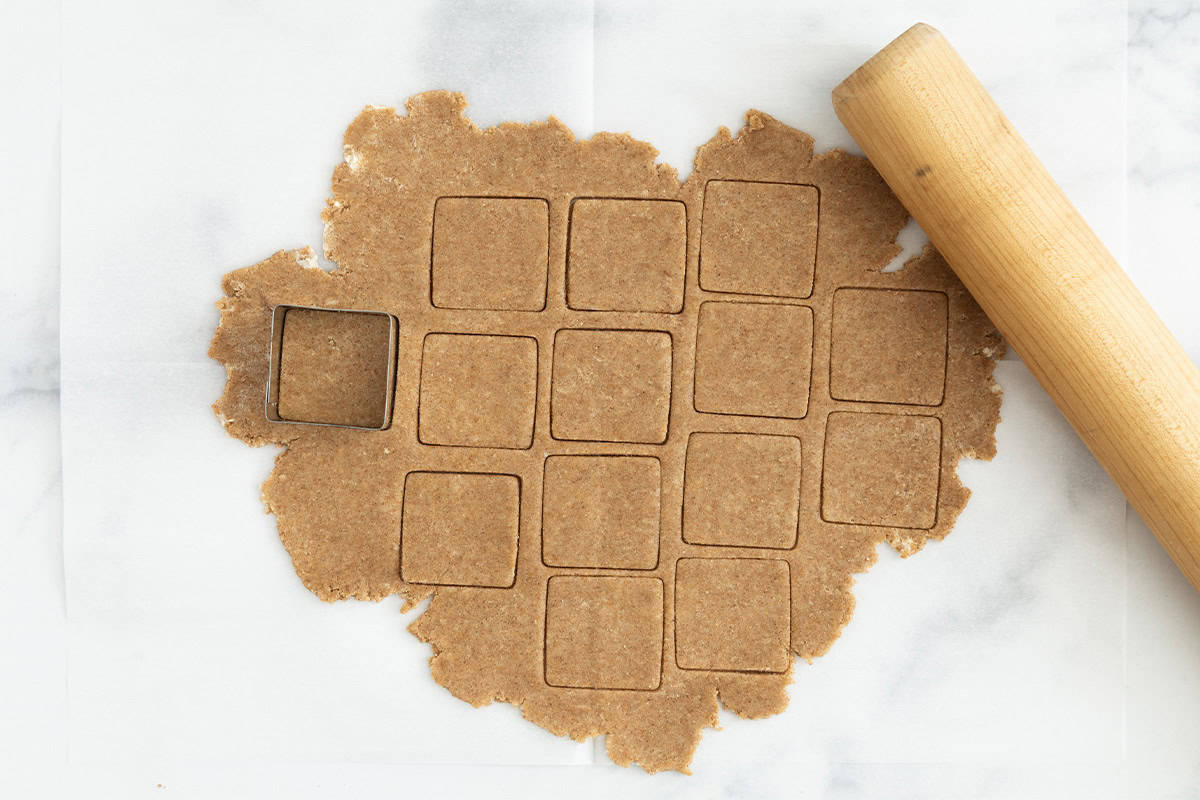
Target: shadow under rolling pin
<point x="1041" y="274"/>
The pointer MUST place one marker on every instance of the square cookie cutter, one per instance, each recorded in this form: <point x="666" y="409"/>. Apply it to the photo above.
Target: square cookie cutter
<point x="275" y="360"/>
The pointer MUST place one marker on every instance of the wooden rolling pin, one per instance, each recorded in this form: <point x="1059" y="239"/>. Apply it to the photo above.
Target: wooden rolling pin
<point x="1041" y="274"/>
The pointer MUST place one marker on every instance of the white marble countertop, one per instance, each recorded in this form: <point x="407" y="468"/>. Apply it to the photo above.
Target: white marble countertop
<point x="156" y="641"/>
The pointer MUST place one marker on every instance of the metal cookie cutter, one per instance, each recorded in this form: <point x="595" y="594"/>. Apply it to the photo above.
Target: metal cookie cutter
<point x="278" y="316"/>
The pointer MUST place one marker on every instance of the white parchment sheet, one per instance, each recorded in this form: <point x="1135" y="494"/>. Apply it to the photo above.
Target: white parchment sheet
<point x="202" y="138"/>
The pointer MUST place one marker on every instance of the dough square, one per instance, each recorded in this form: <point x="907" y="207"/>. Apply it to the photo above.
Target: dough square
<point x="611" y="386"/>
<point x="601" y="511"/>
<point x="460" y="529"/>
<point x="490" y="253"/>
<point x="888" y="346"/>
<point x="627" y="255"/>
<point x="759" y="238"/>
<point x="733" y="614"/>
<point x="754" y="359"/>
<point x="741" y="490"/>
<point x="477" y="390"/>
<point x="604" y="632"/>
<point x="334" y="367"/>
<point x="881" y="469"/>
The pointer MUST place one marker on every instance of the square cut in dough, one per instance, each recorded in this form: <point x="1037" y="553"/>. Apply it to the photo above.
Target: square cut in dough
<point x="741" y="490"/>
<point x="627" y="255"/>
<point x="490" y="253"/>
<point x="604" y="632"/>
<point x="754" y="359"/>
<point x="759" y="238"/>
<point x="478" y="390"/>
<point x="601" y="511"/>
<point x="888" y="346"/>
<point x="460" y="529"/>
<point x="611" y="386"/>
<point x="733" y="614"/>
<point x="881" y="469"/>
<point x="334" y="367"/>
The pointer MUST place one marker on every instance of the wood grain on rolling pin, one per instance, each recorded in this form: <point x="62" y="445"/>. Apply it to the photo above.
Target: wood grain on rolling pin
<point x="1040" y="273"/>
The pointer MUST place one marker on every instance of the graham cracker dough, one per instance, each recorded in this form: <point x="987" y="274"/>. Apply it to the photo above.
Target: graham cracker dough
<point x="633" y="436"/>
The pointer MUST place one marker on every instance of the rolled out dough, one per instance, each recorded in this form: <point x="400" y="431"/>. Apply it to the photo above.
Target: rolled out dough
<point x="644" y="432"/>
